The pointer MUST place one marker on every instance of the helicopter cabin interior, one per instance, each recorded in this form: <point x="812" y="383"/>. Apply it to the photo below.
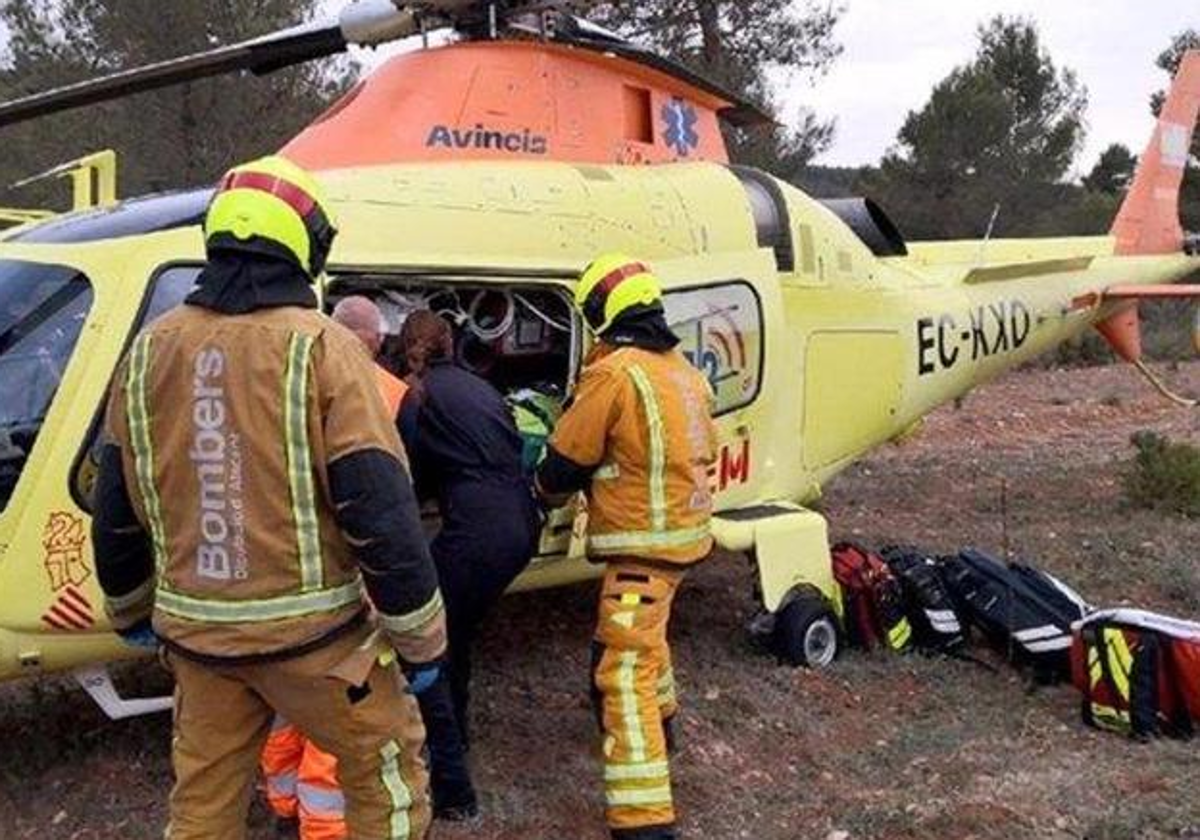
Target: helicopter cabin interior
<point x="520" y="338"/>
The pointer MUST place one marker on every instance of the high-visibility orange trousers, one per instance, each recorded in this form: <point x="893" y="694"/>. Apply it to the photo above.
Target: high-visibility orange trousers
<point x="635" y="693"/>
<point x="302" y="783"/>
<point x="341" y="696"/>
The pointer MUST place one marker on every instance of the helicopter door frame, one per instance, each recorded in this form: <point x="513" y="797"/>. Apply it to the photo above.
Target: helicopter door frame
<point x="560" y="541"/>
<point x="747" y="432"/>
<point x="85" y="457"/>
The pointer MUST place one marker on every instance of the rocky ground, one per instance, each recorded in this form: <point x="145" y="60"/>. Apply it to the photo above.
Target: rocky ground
<point x="876" y="747"/>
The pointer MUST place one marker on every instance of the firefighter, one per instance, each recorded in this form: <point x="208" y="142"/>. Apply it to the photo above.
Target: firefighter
<point x="638" y="439"/>
<point x="466" y="454"/>
<point x="301" y="779"/>
<point x="252" y="495"/>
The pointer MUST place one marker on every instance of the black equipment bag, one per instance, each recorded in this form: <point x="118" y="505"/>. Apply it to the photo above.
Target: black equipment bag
<point x="931" y="610"/>
<point x="1024" y="611"/>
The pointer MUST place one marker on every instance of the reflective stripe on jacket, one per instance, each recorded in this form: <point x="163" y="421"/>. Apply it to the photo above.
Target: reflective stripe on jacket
<point x="642" y="420"/>
<point x="229" y="427"/>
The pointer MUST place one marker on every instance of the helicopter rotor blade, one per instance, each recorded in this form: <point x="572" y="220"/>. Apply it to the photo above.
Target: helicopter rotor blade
<point x="365" y="23"/>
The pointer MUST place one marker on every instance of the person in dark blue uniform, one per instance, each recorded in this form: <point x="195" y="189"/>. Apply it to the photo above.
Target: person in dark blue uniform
<point x="465" y="452"/>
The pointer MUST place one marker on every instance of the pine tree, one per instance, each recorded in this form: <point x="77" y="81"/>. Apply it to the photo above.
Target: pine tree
<point x="739" y="45"/>
<point x="1001" y="131"/>
<point x="179" y="136"/>
<point x="1113" y="172"/>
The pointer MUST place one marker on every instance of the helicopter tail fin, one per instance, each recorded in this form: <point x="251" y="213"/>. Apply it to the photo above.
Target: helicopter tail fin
<point x="1148" y="222"/>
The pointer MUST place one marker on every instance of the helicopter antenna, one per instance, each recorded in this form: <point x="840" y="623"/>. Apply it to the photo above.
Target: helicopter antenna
<point x="987" y="237"/>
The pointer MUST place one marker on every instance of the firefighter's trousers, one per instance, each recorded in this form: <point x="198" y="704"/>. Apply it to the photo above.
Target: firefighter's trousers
<point x="634" y="691"/>
<point x="341" y="696"/>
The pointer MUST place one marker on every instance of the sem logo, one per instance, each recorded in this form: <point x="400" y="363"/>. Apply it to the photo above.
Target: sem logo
<point x="732" y="469"/>
<point x="480" y="137"/>
<point x="681" y="119"/>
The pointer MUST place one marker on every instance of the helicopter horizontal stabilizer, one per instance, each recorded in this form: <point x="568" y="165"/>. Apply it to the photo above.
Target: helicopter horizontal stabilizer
<point x="1148" y="222"/>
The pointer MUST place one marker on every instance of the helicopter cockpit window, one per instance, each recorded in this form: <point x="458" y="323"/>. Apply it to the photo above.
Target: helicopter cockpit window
<point x="42" y="310"/>
<point x="721" y="332"/>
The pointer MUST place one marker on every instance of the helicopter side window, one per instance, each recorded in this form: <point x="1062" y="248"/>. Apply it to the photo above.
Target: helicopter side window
<point x="167" y="290"/>
<point x="42" y="310"/>
<point x="720" y="328"/>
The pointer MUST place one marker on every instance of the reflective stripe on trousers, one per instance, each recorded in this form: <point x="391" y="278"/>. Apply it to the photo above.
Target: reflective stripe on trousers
<point x="399" y="792"/>
<point x="634" y="687"/>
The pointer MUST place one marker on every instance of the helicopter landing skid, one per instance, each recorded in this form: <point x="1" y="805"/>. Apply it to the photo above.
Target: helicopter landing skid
<point x="97" y="682"/>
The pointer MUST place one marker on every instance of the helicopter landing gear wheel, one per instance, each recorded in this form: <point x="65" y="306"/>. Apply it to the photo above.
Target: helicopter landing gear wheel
<point x="805" y="632"/>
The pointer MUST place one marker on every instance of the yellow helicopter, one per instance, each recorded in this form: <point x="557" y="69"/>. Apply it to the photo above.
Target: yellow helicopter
<point x="476" y="180"/>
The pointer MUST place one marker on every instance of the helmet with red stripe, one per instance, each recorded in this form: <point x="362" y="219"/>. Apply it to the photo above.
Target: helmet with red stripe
<point x="271" y="207"/>
<point x="613" y="286"/>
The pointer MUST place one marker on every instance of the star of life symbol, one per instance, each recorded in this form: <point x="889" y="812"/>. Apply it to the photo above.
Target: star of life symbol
<point x="63" y="540"/>
<point x="681" y="119"/>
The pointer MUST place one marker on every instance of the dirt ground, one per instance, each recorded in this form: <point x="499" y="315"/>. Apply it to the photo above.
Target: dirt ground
<point x="877" y="747"/>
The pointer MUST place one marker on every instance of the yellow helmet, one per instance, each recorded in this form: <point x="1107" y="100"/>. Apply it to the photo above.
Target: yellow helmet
<point x="613" y="285"/>
<point x="272" y="207"/>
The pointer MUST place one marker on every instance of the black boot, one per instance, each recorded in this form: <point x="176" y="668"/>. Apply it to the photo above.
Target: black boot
<point x="668" y="725"/>
<point x="649" y="832"/>
<point x="287" y="828"/>
<point x="456" y="813"/>
<point x="453" y="793"/>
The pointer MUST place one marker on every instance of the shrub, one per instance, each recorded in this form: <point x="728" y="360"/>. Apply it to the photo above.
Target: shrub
<point x="1164" y="475"/>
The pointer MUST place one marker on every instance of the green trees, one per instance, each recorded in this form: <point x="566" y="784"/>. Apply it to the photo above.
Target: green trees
<point x="1001" y="131"/>
<point x="179" y="136"/>
<point x="1113" y="173"/>
<point x="740" y="44"/>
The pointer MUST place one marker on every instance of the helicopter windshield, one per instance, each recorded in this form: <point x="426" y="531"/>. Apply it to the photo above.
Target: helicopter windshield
<point x="42" y="310"/>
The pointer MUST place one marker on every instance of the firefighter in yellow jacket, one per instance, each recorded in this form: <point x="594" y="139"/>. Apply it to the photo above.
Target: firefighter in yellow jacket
<point x="252" y="494"/>
<point x="638" y="438"/>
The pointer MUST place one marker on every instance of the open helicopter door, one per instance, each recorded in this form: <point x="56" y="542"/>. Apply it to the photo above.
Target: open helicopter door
<point x="516" y="329"/>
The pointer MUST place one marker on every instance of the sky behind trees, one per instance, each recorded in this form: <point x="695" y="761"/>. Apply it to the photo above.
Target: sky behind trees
<point x="897" y="50"/>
